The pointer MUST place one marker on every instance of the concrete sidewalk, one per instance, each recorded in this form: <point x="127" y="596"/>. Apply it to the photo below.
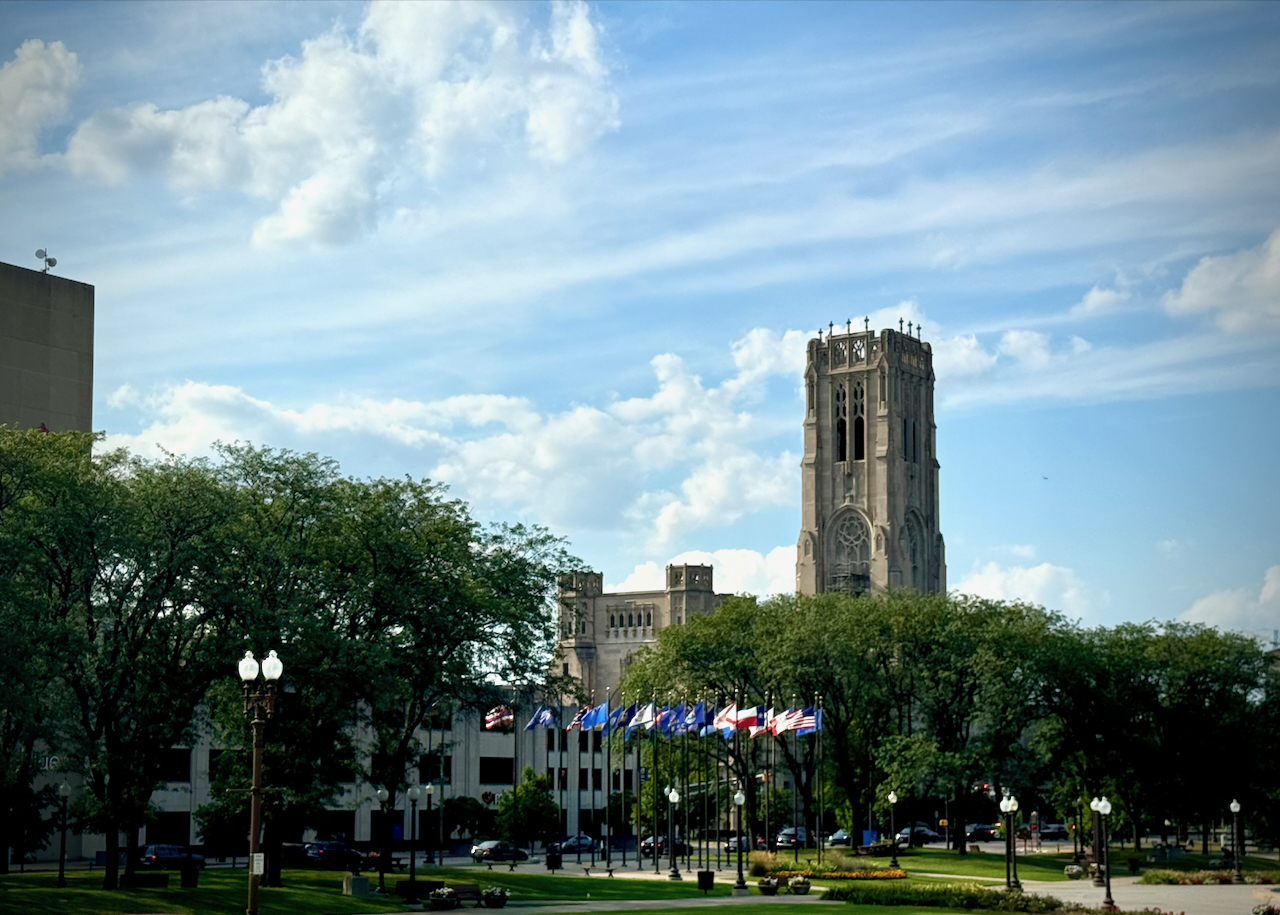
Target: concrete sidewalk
<point x="1130" y="895"/>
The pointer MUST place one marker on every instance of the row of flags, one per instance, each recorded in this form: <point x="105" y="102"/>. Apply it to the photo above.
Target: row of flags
<point x="672" y="721"/>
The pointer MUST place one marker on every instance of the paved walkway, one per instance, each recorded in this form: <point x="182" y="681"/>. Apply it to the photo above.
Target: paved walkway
<point x="1131" y="895"/>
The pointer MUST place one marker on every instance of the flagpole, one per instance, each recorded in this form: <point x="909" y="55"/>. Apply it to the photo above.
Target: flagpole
<point x="818" y="772"/>
<point x="716" y="744"/>
<point x="795" y="793"/>
<point x="622" y="777"/>
<point x="578" y="794"/>
<point x="608" y="778"/>
<point x="702" y="746"/>
<point x="653" y="777"/>
<point x="768" y="782"/>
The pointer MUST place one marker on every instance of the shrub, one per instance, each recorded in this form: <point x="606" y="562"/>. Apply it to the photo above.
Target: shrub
<point x="1158" y="875"/>
<point x="953" y="896"/>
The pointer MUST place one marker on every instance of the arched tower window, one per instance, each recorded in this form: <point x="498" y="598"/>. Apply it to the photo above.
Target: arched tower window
<point x="859" y="423"/>
<point x="849" y="568"/>
<point x="884" y="387"/>
<point x="915" y="553"/>
<point x="842" y="419"/>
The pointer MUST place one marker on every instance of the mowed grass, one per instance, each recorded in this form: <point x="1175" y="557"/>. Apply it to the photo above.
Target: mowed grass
<point x="306" y="892"/>
<point x="220" y="891"/>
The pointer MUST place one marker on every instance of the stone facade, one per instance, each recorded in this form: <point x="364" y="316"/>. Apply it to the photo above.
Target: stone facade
<point x="869" y="500"/>
<point x="600" y="633"/>
<point x="46" y="351"/>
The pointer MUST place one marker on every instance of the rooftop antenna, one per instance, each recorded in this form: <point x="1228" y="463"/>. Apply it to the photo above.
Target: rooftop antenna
<point x="48" y="261"/>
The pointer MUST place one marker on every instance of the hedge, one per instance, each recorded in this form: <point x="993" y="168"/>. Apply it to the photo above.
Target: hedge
<point x="950" y="896"/>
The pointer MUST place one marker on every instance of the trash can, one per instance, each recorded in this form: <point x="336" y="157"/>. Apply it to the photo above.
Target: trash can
<point x="706" y="881"/>
<point x="190" y="876"/>
<point x="554" y="861"/>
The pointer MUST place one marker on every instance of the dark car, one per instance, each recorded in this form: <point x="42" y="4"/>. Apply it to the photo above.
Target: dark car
<point x="840" y="837"/>
<point x="983" y="834"/>
<point x="497" y="850"/>
<point x="646" y="847"/>
<point x="572" y="845"/>
<point x="1054" y="832"/>
<point x="791" y="837"/>
<point x="169" y="857"/>
<point x="919" y="835"/>
<point x="334" y="856"/>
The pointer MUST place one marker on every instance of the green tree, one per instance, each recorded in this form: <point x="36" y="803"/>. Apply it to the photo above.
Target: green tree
<point x="528" y="813"/>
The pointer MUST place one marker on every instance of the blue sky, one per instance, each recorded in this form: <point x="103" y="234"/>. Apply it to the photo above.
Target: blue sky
<point x="565" y="259"/>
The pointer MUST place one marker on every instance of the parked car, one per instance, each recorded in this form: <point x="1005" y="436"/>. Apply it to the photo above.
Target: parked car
<point x="983" y="834"/>
<point x="572" y="845"/>
<point x="646" y="847"/>
<point x="1054" y="832"/>
<point x="919" y="835"/>
<point x="169" y="857"/>
<point x="497" y="850"/>
<point x="790" y="837"/>
<point x="736" y="842"/>
<point x="334" y="856"/>
<point x="840" y="837"/>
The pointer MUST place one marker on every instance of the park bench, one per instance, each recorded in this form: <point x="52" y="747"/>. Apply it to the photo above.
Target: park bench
<point x="588" y="868"/>
<point x="467" y="892"/>
<point x="511" y="865"/>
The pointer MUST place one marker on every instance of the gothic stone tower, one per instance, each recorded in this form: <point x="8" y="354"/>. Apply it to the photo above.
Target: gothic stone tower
<point x="869" y="475"/>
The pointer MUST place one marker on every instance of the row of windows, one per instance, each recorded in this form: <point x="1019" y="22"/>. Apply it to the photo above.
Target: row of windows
<point x="559" y="779"/>
<point x="616" y="621"/>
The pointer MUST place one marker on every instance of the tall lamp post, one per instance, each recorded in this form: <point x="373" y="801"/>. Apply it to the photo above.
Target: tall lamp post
<point x="674" y="798"/>
<point x="1237" y="840"/>
<point x="383" y="797"/>
<point x="1077" y="840"/>
<point x="1102" y="807"/>
<point x="740" y="888"/>
<point x="64" y="792"/>
<point x="413" y="794"/>
<point x="893" y="836"/>
<point x="1009" y="806"/>
<point x="430" y="790"/>
<point x="259" y="705"/>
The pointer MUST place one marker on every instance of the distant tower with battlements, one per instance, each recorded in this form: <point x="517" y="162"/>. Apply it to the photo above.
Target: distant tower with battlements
<point x="869" y="496"/>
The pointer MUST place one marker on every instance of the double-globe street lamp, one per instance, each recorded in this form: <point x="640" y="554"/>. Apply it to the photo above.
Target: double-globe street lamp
<point x="893" y="836"/>
<point x="740" y="888"/>
<point x="674" y="797"/>
<point x="1102" y="809"/>
<point x="1009" y="806"/>
<point x="413" y="794"/>
<point x="383" y="796"/>
<point x="1237" y="841"/>
<point x="259" y="705"/>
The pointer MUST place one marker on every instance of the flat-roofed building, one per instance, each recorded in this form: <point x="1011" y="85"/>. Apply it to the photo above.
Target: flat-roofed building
<point x="46" y="351"/>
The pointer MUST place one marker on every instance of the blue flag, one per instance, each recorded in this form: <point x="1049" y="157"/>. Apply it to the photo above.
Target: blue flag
<point x="542" y="718"/>
<point x="614" y="721"/>
<point x="596" y="717"/>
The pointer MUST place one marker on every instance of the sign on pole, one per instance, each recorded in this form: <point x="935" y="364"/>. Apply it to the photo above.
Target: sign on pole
<point x="257" y="863"/>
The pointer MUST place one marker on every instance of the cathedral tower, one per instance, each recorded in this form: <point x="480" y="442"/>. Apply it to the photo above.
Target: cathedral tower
<point x="869" y="501"/>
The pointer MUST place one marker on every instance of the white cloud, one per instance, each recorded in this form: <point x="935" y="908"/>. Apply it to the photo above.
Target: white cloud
<point x="1030" y="348"/>
<point x="681" y="459"/>
<point x="1051" y="586"/>
<point x="1168" y="547"/>
<point x="356" y="116"/>
<point x="35" y="88"/>
<point x="734" y="571"/>
<point x="1098" y="300"/>
<point x="1241" y="609"/>
<point x="1241" y="289"/>
<point x="960" y="357"/>
<point x="1023" y="550"/>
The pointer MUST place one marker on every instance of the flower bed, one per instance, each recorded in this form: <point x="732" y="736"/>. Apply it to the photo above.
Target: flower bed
<point x="1187" y="878"/>
<point x="954" y="896"/>
<point x="862" y="873"/>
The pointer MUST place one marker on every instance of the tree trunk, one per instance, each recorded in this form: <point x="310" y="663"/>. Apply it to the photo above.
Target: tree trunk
<point x="111" y="874"/>
<point x="961" y="839"/>
<point x="131" y="851"/>
<point x="1204" y="839"/>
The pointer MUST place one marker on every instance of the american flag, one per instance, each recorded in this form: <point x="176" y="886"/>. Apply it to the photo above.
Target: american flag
<point x="577" y="719"/>
<point x="499" y="717"/>
<point x="809" y="721"/>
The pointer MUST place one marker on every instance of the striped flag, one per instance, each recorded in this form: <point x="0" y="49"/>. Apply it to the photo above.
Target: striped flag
<point x="786" y="721"/>
<point x="764" y="727"/>
<point x="499" y="717"/>
<point x="809" y="721"/>
<point x="577" y="719"/>
<point x="751" y="716"/>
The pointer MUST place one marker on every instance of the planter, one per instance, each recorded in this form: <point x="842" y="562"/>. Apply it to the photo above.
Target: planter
<point x="799" y="889"/>
<point x="493" y="902"/>
<point x="441" y="905"/>
<point x="1073" y="871"/>
<point x="768" y="888"/>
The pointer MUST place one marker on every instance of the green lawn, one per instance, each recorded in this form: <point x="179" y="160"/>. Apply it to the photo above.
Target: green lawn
<point x="306" y="892"/>
<point x="985" y="866"/>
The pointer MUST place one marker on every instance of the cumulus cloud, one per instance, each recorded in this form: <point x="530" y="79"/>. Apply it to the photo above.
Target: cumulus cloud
<point x="1241" y="290"/>
<point x="1098" y="300"/>
<point x="1254" y="612"/>
<point x="1028" y="347"/>
<point x="1055" y="587"/>
<point x="961" y="356"/>
<point x="682" y="458"/>
<point x="734" y="571"/>
<point x="35" y="88"/>
<point x="357" y="115"/>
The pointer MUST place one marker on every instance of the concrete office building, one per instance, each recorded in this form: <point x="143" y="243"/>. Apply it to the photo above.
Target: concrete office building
<point x="46" y="351"/>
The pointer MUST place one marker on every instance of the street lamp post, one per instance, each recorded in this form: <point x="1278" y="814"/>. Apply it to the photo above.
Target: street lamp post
<point x="1237" y="841"/>
<point x="893" y="836"/>
<point x="430" y="790"/>
<point x="1102" y="807"/>
<point x="383" y="796"/>
<point x="674" y="798"/>
<point x="64" y="792"/>
<point x="413" y="794"/>
<point x="740" y="888"/>
<point x="1009" y="806"/>
<point x="259" y="705"/>
<point x="1077" y="840"/>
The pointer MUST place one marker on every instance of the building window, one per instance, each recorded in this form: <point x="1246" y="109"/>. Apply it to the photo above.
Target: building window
<point x="497" y="770"/>
<point x="648" y="619"/>
<point x="597" y="779"/>
<point x="884" y="387"/>
<point x="429" y="768"/>
<point x="841" y="432"/>
<point x="630" y="620"/>
<point x="859" y="423"/>
<point x="551" y="739"/>
<point x="175" y="765"/>
<point x="612" y="623"/>
<point x="850" y="569"/>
